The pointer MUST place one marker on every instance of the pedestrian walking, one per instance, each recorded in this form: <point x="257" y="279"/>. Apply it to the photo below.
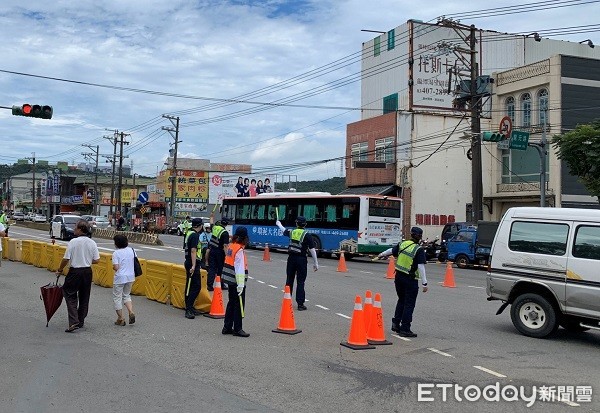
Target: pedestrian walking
<point x="300" y="243"/>
<point x="81" y="252"/>
<point x="217" y="247"/>
<point x="235" y="274"/>
<point x="193" y="258"/>
<point x="410" y="267"/>
<point x="122" y="260"/>
<point x="4" y="221"/>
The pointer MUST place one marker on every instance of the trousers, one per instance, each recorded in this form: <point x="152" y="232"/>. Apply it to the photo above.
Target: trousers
<point x="407" y="289"/>
<point x="76" y="290"/>
<point x="296" y="267"/>
<point x="233" y="312"/>
<point x="216" y="260"/>
<point x="192" y="284"/>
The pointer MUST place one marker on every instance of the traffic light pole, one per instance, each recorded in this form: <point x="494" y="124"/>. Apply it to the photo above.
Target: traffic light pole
<point x="475" y="106"/>
<point x="173" y="176"/>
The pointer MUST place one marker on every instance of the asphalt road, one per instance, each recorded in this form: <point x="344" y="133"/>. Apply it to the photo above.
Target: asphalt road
<point x="167" y="363"/>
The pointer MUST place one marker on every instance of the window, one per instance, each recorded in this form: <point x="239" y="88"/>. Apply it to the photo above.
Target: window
<point x="521" y="166"/>
<point x="538" y="238"/>
<point x="510" y="108"/>
<point x="377" y="46"/>
<point x="390" y="103"/>
<point x="384" y="150"/>
<point x="526" y="109"/>
<point x="543" y="106"/>
<point x="587" y="242"/>
<point x="391" y="39"/>
<point x="464" y="236"/>
<point x="359" y="152"/>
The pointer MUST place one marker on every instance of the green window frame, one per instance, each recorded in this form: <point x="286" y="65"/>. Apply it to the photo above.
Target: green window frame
<point x="391" y="39"/>
<point x="377" y="46"/>
<point x="390" y="103"/>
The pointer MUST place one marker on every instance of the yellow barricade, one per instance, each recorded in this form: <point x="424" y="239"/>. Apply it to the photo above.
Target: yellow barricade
<point x="38" y="251"/>
<point x="158" y="280"/>
<point x="102" y="273"/>
<point x="4" y="241"/>
<point x="44" y="258"/>
<point x="14" y="249"/>
<point x="59" y="253"/>
<point x="49" y="260"/>
<point x="27" y="257"/>
<point x="139" y="286"/>
<point x="203" y="300"/>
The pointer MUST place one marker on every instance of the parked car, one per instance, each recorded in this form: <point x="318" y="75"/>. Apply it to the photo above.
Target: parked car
<point x="63" y="226"/>
<point x="29" y="216"/>
<point x="39" y="218"/>
<point x="472" y="245"/>
<point x="97" y="221"/>
<point x="19" y="216"/>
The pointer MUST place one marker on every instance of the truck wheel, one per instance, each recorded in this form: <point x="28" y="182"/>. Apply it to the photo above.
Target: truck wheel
<point x="572" y="324"/>
<point x="533" y="316"/>
<point x="462" y="261"/>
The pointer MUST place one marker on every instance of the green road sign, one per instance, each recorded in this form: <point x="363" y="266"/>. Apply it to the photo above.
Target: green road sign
<point x="519" y="140"/>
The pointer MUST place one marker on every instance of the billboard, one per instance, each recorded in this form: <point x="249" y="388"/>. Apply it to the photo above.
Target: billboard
<point x="233" y="184"/>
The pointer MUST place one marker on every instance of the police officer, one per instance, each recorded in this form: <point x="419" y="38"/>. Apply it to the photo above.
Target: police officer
<point x="410" y="267"/>
<point x="235" y="273"/>
<point x="217" y="247"/>
<point x="185" y="227"/>
<point x="300" y="242"/>
<point x="204" y="240"/>
<point x="4" y="221"/>
<point x="193" y="257"/>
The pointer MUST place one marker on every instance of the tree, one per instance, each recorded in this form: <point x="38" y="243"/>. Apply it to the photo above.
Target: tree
<point x="580" y="149"/>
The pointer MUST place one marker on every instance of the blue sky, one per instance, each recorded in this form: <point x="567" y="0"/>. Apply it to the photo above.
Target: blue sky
<point x="204" y="49"/>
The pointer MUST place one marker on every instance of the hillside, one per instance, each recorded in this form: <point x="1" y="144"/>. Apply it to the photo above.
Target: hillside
<point x="332" y="185"/>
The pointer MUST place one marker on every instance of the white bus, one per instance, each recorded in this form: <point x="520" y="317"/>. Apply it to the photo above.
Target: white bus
<point x="355" y="224"/>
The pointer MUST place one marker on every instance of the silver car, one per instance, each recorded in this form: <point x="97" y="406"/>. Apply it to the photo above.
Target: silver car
<point x="97" y="221"/>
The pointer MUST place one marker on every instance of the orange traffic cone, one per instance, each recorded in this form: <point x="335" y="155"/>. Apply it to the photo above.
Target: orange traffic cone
<point x="368" y="308"/>
<point x="391" y="269"/>
<point x="357" y="338"/>
<point x="217" y="310"/>
<point x="266" y="254"/>
<point x="342" y="264"/>
<point x="376" y="333"/>
<point x="449" y="277"/>
<point x="287" y="324"/>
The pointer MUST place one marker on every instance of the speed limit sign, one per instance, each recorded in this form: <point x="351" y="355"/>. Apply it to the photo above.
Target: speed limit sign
<point x="505" y="126"/>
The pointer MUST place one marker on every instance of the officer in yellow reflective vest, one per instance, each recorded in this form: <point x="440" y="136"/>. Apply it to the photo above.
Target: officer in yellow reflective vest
<point x="185" y="227"/>
<point x="193" y="258"/>
<point x="235" y="274"/>
<point x="217" y="246"/>
<point x="410" y="267"/>
<point x="300" y="243"/>
<point x="4" y="221"/>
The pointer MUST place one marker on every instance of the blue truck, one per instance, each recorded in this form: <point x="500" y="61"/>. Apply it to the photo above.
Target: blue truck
<point x="472" y="245"/>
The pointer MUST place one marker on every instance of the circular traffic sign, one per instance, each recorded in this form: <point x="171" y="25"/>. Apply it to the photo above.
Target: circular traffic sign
<point x="506" y="126"/>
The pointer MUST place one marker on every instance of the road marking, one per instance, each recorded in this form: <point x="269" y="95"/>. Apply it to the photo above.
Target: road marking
<point x="320" y="306"/>
<point x="440" y="352"/>
<point x="493" y="373"/>
<point x="272" y="286"/>
<point x="401" y="338"/>
<point x="107" y="249"/>
<point x="474" y="286"/>
<point x="367" y="272"/>
<point x="343" y="315"/>
<point x="250" y="278"/>
<point x="570" y="403"/>
<point x="152" y="248"/>
<point x="259" y="281"/>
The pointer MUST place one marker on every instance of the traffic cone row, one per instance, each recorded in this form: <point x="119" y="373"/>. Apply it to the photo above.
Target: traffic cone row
<point x="360" y="336"/>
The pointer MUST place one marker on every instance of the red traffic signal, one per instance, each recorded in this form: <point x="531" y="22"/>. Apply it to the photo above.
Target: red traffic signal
<point x="33" y="111"/>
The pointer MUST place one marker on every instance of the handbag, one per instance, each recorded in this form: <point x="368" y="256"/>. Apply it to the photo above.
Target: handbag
<point x="137" y="267"/>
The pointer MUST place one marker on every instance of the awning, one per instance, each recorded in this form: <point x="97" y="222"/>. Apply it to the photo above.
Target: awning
<point x="391" y="190"/>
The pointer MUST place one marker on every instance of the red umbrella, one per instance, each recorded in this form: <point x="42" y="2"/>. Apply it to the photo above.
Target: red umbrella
<point x="52" y="295"/>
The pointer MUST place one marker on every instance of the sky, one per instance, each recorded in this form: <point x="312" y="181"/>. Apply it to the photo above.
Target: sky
<point x="214" y="64"/>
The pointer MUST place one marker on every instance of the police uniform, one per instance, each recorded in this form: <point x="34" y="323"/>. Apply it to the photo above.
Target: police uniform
<point x="192" y="279"/>
<point x="216" y="257"/>
<point x="300" y="243"/>
<point x="235" y="274"/>
<point x="186" y="226"/>
<point x="409" y="255"/>
<point x="4" y="221"/>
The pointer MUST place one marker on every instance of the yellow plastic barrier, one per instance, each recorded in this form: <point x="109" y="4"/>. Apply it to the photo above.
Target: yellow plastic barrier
<point x="4" y="241"/>
<point x="139" y="286"/>
<point x="51" y="265"/>
<point x="203" y="300"/>
<point x="39" y="254"/>
<point x="14" y="249"/>
<point x="102" y="273"/>
<point x="158" y="280"/>
<point x="27" y="257"/>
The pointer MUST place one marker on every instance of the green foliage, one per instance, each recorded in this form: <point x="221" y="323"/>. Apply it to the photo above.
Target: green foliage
<point x="331" y="185"/>
<point x="580" y="149"/>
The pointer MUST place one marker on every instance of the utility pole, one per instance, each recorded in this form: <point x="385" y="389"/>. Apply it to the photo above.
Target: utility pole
<point x="122" y="142"/>
<point x="173" y="177"/>
<point x="97" y="153"/>
<point x="33" y="182"/>
<point x="112" y="179"/>
<point x="475" y="106"/>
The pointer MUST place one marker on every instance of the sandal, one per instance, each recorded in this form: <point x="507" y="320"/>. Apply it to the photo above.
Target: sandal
<point x="131" y="318"/>
<point x="120" y="322"/>
<point x="72" y="328"/>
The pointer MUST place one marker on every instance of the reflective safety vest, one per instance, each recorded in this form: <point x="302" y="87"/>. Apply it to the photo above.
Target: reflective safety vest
<point x="406" y="255"/>
<point x="187" y="225"/>
<point x="198" y="247"/>
<point x="296" y="238"/>
<point x="228" y="273"/>
<point x="216" y="234"/>
<point x="4" y="220"/>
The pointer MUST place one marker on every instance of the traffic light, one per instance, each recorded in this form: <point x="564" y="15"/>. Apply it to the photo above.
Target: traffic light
<point x="492" y="136"/>
<point x="33" y="111"/>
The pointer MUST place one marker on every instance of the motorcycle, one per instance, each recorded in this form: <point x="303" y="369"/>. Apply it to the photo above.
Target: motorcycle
<point x="172" y="229"/>
<point x="432" y="249"/>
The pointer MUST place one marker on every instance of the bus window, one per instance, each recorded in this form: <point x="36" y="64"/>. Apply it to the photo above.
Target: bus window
<point x="331" y="215"/>
<point x="309" y="212"/>
<point x="260" y="212"/>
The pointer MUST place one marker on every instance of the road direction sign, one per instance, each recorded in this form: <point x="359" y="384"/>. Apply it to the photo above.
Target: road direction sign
<point x="143" y="197"/>
<point x="519" y="140"/>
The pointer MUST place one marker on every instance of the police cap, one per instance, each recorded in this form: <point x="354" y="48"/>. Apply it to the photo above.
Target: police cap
<point x="241" y="232"/>
<point x="416" y="231"/>
<point x="196" y="222"/>
<point x="301" y="220"/>
<point x="224" y="221"/>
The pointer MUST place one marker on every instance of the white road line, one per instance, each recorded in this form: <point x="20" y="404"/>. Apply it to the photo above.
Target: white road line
<point x="107" y="249"/>
<point x="440" y="352"/>
<point x="493" y="373"/>
<point x="320" y="306"/>
<point x="343" y="315"/>
<point x="250" y="278"/>
<point x="367" y="272"/>
<point x="474" y="286"/>
<point x="152" y="248"/>
<point x="259" y="281"/>
<point x="401" y="338"/>
<point x="272" y="286"/>
<point x="570" y="403"/>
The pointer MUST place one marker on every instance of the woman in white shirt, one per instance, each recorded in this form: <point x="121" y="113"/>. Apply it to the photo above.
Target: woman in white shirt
<point x="122" y="260"/>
